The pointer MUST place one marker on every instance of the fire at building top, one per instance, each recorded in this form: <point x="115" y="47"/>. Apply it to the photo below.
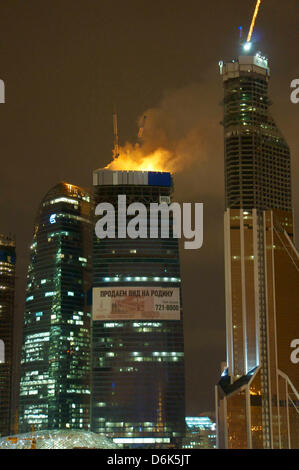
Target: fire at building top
<point x="137" y="159"/>
<point x="152" y="151"/>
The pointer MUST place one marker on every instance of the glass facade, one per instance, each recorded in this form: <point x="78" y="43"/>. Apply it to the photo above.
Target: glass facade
<point x="257" y="157"/>
<point x="258" y="393"/>
<point x="138" y="389"/>
<point x="200" y="432"/>
<point x="55" y="365"/>
<point x="7" y="291"/>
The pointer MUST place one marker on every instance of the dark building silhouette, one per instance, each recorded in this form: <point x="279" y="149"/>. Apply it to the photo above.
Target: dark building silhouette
<point x="7" y="291"/>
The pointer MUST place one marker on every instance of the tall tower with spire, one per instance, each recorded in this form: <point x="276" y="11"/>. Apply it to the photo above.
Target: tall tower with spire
<point x="257" y="396"/>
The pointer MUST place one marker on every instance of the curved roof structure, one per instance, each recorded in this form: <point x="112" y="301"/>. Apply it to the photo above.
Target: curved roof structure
<point x="58" y="439"/>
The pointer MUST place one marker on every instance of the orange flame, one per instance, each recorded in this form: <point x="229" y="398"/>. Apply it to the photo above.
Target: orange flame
<point x="135" y="158"/>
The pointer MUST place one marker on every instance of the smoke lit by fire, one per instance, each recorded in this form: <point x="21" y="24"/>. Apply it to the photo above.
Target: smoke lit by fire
<point x="134" y="158"/>
<point x="173" y="137"/>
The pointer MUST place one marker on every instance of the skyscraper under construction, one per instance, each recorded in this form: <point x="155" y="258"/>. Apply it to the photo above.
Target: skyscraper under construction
<point x="138" y="387"/>
<point x="257" y="396"/>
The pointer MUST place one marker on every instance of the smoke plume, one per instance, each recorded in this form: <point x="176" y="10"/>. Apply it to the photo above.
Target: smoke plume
<point x="177" y="136"/>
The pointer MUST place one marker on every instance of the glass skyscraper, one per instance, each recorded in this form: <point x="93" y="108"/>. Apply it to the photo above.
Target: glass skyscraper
<point x="257" y="396"/>
<point x="7" y="292"/>
<point x="138" y="388"/>
<point x="55" y="366"/>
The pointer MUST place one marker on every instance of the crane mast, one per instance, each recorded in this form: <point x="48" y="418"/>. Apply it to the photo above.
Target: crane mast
<point x="141" y="128"/>
<point x="115" y="134"/>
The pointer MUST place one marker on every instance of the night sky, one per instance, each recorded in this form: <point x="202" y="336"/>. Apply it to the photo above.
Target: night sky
<point x="66" y="63"/>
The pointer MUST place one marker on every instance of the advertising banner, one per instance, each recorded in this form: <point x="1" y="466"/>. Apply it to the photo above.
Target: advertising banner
<point x="136" y="303"/>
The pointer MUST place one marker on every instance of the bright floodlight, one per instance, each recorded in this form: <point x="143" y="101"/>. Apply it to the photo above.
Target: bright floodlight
<point x="247" y="46"/>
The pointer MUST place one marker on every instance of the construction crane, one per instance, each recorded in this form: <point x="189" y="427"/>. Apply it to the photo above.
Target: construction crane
<point x="141" y="128"/>
<point x="241" y="33"/>
<point x="247" y="45"/>
<point x="115" y="133"/>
